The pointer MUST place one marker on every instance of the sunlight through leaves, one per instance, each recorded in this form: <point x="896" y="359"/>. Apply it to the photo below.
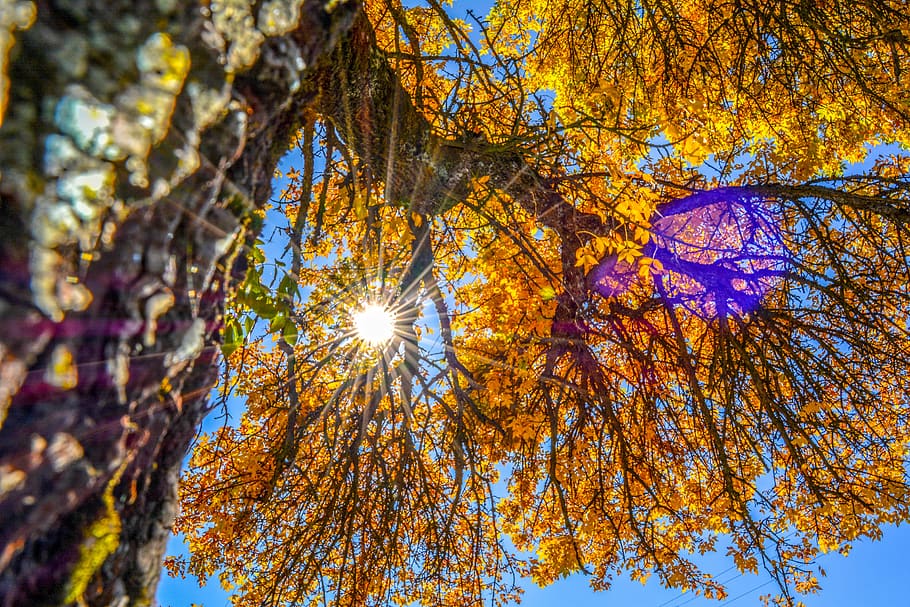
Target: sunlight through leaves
<point x="374" y="324"/>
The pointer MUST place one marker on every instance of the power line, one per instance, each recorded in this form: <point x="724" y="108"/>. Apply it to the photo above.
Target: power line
<point x="670" y="600"/>
<point x="751" y="590"/>
<point x="726" y="602"/>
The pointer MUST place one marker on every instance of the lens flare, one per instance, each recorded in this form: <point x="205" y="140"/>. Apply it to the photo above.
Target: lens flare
<point x="374" y="324"/>
<point x="719" y="256"/>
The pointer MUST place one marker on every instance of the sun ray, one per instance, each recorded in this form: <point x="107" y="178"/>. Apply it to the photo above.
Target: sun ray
<point x="374" y="324"/>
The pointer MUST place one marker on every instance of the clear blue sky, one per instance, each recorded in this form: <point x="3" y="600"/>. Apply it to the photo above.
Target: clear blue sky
<point x="872" y="576"/>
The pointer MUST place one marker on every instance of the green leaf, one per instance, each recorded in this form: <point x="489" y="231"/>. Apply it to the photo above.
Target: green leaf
<point x="264" y="307"/>
<point x="232" y="336"/>
<point x="257" y="254"/>
<point x="289" y="333"/>
<point x="288" y="287"/>
<point x="278" y="323"/>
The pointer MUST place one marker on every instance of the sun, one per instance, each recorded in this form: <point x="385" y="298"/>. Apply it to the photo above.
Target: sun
<point x="374" y="324"/>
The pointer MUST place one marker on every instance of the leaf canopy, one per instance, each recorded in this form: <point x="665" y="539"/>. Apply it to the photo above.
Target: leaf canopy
<point x="648" y="268"/>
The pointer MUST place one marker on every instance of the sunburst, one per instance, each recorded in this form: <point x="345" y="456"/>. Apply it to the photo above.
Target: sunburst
<point x="374" y="324"/>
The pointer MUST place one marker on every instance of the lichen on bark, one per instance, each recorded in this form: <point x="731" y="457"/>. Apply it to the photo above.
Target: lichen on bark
<point x="137" y="139"/>
<point x="100" y="541"/>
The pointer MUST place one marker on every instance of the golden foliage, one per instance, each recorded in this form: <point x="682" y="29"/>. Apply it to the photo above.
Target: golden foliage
<point x="666" y="315"/>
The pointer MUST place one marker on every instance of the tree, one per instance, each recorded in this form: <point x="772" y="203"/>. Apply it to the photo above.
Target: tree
<point x="667" y="318"/>
<point x="135" y="142"/>
<point x="671" y="315"/>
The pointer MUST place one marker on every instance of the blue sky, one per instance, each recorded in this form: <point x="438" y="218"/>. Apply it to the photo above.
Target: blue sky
<point x="872" y="576"/>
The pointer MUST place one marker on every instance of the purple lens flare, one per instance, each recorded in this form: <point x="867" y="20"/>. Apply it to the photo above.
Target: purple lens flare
<point x="721" y="254"/>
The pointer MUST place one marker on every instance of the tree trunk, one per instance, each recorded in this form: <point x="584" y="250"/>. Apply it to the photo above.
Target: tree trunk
<point x="136" y="148"/>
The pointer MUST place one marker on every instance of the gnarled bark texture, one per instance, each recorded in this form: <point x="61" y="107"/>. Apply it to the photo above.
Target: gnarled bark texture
<point x="137" y="141"/>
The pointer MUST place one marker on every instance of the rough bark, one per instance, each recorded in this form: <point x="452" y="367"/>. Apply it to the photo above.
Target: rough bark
<point x="121" y="229"/>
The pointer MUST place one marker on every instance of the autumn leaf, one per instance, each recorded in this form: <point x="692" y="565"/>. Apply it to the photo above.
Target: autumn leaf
<point x="713" y="363"/>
